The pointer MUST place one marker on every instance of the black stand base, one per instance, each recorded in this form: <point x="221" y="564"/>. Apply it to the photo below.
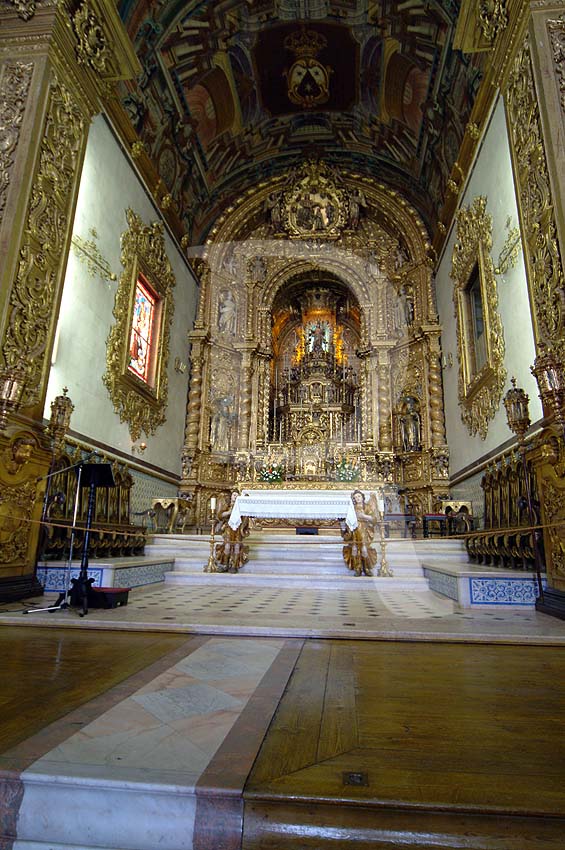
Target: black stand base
<point x="552" y="602"/>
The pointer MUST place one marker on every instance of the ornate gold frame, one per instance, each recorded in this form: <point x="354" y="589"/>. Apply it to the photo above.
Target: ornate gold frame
<point x="479" y="392"/>
<point x="143" y="252"/>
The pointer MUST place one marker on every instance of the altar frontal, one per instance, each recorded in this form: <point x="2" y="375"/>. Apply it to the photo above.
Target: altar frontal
<point x="294" y="504"/>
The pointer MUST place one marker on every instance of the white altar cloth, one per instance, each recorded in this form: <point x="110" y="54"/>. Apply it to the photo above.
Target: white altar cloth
<point x="294" y="504"/>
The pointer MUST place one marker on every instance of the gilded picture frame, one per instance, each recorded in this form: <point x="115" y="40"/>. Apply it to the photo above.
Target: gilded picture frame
<point x="480" y="382"/>
<point x="142" y="404"/>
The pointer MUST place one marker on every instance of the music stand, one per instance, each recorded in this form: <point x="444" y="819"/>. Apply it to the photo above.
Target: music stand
<point x="93" y="475"/>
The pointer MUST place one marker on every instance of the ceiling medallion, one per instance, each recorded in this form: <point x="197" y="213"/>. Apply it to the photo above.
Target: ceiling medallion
<point x="308" y="81"/>
<point x="315" y="205"/>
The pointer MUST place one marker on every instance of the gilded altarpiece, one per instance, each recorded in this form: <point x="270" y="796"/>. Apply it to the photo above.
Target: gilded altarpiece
<point x="315" y="353"/>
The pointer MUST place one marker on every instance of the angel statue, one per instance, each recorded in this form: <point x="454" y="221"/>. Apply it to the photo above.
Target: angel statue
<point x="358" y="553"/>
<point x="230" y="554"/>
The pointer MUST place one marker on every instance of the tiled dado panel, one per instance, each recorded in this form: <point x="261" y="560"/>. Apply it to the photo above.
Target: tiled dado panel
<point x="145" y="489"/>
<point x="503" y="591"/>
<point x="443" y="583"/>
<point x="53" y="578"/>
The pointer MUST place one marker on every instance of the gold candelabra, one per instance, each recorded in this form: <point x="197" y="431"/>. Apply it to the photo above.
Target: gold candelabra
<point x="211" y="566"/>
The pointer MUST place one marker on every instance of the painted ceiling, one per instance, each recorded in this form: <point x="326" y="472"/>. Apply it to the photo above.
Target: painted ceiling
<point x="233" y="92"/>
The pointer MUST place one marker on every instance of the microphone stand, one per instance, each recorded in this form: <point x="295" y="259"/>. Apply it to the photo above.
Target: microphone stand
<point x="63" y="600"/>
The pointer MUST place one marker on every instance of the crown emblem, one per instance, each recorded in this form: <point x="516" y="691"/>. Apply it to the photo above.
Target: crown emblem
<point x="305" y="43"/>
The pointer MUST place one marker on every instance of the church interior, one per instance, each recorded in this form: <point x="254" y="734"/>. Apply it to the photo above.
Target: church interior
<point x="282" y="424"/>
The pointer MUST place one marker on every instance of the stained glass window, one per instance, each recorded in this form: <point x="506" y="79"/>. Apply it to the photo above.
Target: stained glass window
<point x="141" y="347"/>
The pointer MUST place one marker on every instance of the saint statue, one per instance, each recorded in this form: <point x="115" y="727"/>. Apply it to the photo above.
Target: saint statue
<point x="230" y="554"/>
<point x="410" y="428"/>
<point x="220" y="424"/>
<point x="227" y="312"/>
<point x="358" y="553"/>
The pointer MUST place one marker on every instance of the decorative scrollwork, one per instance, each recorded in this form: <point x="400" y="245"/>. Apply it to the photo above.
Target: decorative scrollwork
<point x="480" y="384"/>
<point x="92" y="48"/>
<point x="33" y="291"/>
<point x="16" y="507"/>
<point x="24" y="8"/>
<point x="557" y="38"/>
<point x="139" y="404"/>
<point x="493" y="18"/>
<point x="545" y="270"/>
<point x="15" y="78"/>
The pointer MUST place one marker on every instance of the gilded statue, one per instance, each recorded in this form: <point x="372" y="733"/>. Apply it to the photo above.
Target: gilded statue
<point x="231" y="554"/>
<point x="358" y="553"/>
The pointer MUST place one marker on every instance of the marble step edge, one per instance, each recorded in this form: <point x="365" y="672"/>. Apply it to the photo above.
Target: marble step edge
<point x="336" y="582"/>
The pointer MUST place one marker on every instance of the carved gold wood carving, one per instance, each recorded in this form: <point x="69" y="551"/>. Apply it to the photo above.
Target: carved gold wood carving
<point x="479" y="391"/>
<point x="545" y="269"/>
<point x="92" y="48"/>
<point x="88" y="252"/>
<point x="15" y="78"/>
<point x="557" y="38"/>
<point x="24" y="8"/>
<point x="140" y="405"/>
<point x="493" y="18"/>
<point x="33" y="292"/>
<point x="16" y="507"/>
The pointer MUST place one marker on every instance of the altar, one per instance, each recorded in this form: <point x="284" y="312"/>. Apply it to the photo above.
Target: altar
<point x="294" y="504"/>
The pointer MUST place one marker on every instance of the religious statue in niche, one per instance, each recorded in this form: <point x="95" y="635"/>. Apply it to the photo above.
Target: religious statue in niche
<point x="223" y="417"/>
<point x="227" y="312"/>
<point x="407" y="304"/>
<point x="357" y="201"/>
<point x="257" y="270"/>
<point x="410" y="424"/>
<point x="273" y="210"/>
<point x="358" y="553"/>
<point x="318" y="338"/>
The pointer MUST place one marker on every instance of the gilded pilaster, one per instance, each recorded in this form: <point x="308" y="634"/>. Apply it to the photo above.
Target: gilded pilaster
<point x="536" y="201"/>
<point x="53" y="76"/>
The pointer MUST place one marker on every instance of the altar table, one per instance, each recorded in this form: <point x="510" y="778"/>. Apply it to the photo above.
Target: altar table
<point x="294" y="504"/>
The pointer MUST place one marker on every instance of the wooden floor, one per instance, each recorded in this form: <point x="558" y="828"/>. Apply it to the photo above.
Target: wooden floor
<point x="374" y="744"/>
<point x="387" y="745"/>
<point x="46" y="673"/>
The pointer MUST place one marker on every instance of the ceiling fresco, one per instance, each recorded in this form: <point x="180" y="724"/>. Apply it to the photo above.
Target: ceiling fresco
<point x="236" y="91"/>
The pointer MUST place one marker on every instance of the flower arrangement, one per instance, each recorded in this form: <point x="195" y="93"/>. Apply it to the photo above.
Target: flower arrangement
<point x="347" y="470"/>
<point x="271" y="472"/>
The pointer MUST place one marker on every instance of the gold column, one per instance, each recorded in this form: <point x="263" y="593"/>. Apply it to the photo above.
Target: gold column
<point x="245" y="398"/>
<point x="262" y="408"/>
<point x="437" y="421"/>
<point x="198" y="340"/>
<point x="385" y="406"/>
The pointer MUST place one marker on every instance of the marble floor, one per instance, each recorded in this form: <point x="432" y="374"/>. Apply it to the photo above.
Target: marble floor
<point x="362" y="612"/>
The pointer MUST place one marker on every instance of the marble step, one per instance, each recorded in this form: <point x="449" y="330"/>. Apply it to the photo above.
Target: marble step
<point x="345" y="581"/>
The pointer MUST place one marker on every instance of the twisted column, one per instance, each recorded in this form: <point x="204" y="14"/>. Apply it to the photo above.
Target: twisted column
<point x="437" y="421"/>
<point x="194" y="398"/>
<point x="245" y="400"/>
<point x="262" y="408"/>
<point x="385" y="406"/>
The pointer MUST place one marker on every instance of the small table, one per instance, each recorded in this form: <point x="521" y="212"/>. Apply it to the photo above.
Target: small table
<point x="175" y="507"/>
